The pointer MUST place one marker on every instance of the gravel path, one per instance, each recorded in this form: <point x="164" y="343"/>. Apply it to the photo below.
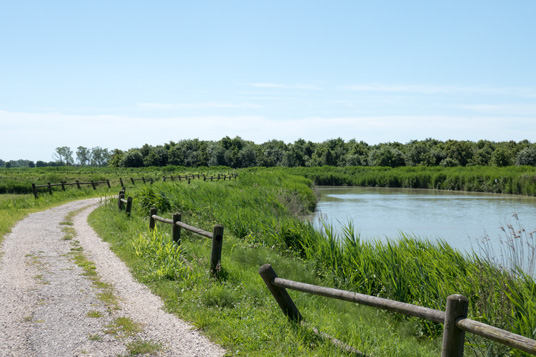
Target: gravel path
<point x="52" y="304"/>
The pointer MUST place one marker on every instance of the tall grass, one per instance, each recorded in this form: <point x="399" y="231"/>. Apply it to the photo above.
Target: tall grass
<point x="511" y="180"/>
<point x="261" y="208"/>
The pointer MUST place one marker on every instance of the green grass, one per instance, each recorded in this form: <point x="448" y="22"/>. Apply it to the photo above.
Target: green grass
<point x="236" y="310"/>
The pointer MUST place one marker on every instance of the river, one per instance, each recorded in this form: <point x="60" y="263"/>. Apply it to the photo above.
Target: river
<point x="460" y="218"/>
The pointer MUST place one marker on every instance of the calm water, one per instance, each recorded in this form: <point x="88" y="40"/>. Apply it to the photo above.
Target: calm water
<point x="458" y="218"/>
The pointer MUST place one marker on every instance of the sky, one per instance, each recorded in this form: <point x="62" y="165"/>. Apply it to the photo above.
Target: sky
<point x="119" y="74"/>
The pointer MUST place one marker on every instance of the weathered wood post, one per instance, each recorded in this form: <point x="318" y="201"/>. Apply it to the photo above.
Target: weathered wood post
<point x="93" y="184"/>
<point x="176" y="231"/>
<point x="204" y="178"/>
<point x="453" y="337"/>
<point x="63" y="185"/>
<point x="34" y="190"/>
<point x="121" y="180"/>
<point x="280" y="294"/>
<point x="129" y="205"/>
<point x="143" y="179"/>
<point x="218" y="177"/>
<point x="108" y="182"/>
<point x="217" y="244"/>
<point x="49" y="188"/>
<point x="171" y="177"/>
<point x="152" y="221"/>
<point x="163" y="178"/>
<point x="78" y="184"/>
<point x="119" y="202"/>
<point x="179" y="177"/>
<point x="132" y="179"/>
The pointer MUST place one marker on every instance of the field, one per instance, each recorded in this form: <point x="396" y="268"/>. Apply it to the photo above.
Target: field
<point x="262" y="212"/>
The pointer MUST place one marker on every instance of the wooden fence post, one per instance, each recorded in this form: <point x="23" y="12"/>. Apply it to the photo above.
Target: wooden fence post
<point x="453" y="337"/>
<point x="49" y="188"/>
<point x="143" y="179"/>
<point x="152" y="221"/>
<point x="280" y="294"/>
<point x="176" y="231"/>
<point x="188" y="181"/>
<point x="78" y="184"/>
<point x="108" y="182"/>
<point x="121" y="180"/>
<point x="34" y="190"/>
<point x="129" y="205"/>
<point x="131" y="179"/>
<point x="119" y="202"/>
<point x="63" y="185"/>
<point x="217" y="244"/>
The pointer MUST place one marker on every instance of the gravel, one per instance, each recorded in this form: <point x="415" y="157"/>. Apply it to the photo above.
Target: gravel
<point x="50" y="307"/>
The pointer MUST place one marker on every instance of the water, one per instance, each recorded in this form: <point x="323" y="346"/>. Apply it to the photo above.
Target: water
<point x="461" y="219"/>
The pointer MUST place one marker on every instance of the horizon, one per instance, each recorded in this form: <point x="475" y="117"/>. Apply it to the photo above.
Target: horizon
<point x="120" y="75"/>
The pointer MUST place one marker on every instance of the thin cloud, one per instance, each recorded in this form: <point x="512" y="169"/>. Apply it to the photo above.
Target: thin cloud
<point x="434" y="89"/>
<point x="522" y="110"/>
<point x="286" y="86"/>
<point x="200" y="105"/>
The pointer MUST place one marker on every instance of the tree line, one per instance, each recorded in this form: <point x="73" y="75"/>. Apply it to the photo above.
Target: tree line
<point x="239" y="153"/>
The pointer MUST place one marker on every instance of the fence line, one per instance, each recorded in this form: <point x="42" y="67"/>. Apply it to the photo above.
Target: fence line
<point x="133" y="180"/>
<point x="216" y="236"/>
<point x="63" y="184"/>
<point x="454" y="318"/>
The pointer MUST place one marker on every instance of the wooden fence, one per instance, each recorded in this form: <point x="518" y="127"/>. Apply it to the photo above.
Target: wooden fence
<point x="121" y="202"/>
<point x="133" y="180"/>
<point x="63" y="184"/>
<point x="216" y="236"/>
<point x="454" y="318"/>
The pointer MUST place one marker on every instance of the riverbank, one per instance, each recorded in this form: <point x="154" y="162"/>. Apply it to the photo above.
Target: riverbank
<point x="260" y="212"/>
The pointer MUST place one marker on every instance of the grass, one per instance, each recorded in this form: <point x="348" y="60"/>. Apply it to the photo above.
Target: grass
<point x="236" y="310"/>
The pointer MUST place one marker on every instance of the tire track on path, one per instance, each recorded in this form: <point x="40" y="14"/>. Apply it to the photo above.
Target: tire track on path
<point x="53" y="305"/>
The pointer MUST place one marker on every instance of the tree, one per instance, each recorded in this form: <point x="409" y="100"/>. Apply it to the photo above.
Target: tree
<point x="99" y="156"/>
<point x="64" y="155"/>
<point x="158" y="156"/>
<point x="115" y="158"/>
<point x="31" y="164"/>
<point x="83" y="155"/>
<point x="40" y="164"/>
<point x="132" y="158"/>
<point x="527" y="156"/>
<point x="2" y="163"/>
<point x="385" y="155"/>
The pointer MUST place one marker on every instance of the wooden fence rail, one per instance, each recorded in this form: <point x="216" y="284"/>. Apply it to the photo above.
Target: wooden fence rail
<point x="216" y="236"/>
<point x="454" y="318"/>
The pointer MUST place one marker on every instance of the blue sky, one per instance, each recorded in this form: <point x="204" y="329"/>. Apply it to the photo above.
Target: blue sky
<point x="119" y="74"/>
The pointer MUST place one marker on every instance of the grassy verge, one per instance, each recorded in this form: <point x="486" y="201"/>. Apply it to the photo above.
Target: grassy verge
<point x="236" y="310"/>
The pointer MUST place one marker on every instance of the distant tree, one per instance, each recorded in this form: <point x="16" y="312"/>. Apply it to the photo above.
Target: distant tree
<point x="248" y="156"/>
<point x="8" y="165"/>
<point x="502" y="156"/>
<point x="132" y="158"/>
<point x="83" y="155"/>
<point x="158" y="156"/>
<point x="216" y="154"/>
<point x="527" y="156"/>
<point x="357" y="153"/>
<point x="386" y="155"/>
<point x="460" y="151"/>
<point x="176" y="156"/>
<point x="115" y="158"/>
<point x="64" y="155"/>
<point x="40" y="164"/>
<point x="99" y="156"/>
<point x="2" y="163"/>
<point x="31" y="164"/>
